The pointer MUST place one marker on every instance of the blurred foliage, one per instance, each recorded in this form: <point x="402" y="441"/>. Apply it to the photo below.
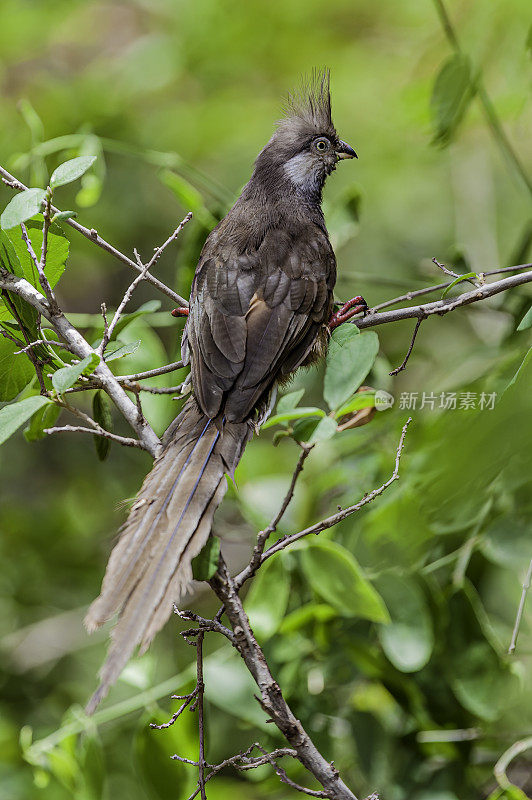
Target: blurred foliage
<point x="175" y="100"/>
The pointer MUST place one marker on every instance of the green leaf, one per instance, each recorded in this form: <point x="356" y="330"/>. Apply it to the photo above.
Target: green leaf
<point x="16" y="371"/>
<point x="16" y="414"/>
<point x="45" y="417"/>
<point x="460" y="278"/>
<point x="506" y="542"/>
<point x="526" y="322"/>
<point x="478" y="682"/>
<point x="152" y="762"/>
<point x="57" y="255"/>
<point x="350" y="357"/>
<point x="528" y="42"/>
<point x="66" y="377"/>
<point x="205" y="564"/>
<point x="303" y="429"/>
<point x="325" y="429"/>
<point x="32" y="120"/>
<point x="11" y="263"/>
<point x="296" y="413"/>
<point x="122" y="350"/>
<point x="358" y="401"/>
<point x="408" y="639"/>
<point x="335" y="575"/>
<point x="451" y="96"/>
<point x="90" y="192"/>
<point x="267" y="599"/>
<point x="22" y="207"/>
<point x="289" y="401"/>
<point x="61" y="216"/>
<point x="71" y="170"/>
<point x="101" y="411"/>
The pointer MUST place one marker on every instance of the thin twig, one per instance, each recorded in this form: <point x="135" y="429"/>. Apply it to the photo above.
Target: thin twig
<point x="108" y="333"/>
<point x="93" y="236"/>
<point x="526" y="587"/>
<point x="408" y="296"/>
<point x="441" y="307"/>
<point x="328" y="522"/>
<point x="205" y="624"/>
<point x="45" y="342"/>
<point x="43" y="280"/>
<point x="11" y="338"/>
<point x="105" y="322"/>
<point x="151" y="373"/>
<point x="201" y="724"/>
<point x="399" y="369"/>
<point x="124" y="440"/>
<point x="188" y="698"/>
<point x="44" y="253"/>
<point x="289" y="782"/>
<point x="263" y="536"/>
<point x="454" y="275"/>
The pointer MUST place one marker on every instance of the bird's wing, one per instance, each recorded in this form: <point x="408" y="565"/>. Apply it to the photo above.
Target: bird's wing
<point x="254" y="316"/>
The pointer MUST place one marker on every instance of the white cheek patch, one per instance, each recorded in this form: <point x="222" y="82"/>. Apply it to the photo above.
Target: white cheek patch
<point x="302" y="171"/>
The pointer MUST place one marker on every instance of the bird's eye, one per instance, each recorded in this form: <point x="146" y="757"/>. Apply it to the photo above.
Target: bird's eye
<point x="322" y="145"/>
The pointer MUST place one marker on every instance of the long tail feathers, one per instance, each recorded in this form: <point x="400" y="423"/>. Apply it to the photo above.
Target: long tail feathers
<point x="150" y="567"/>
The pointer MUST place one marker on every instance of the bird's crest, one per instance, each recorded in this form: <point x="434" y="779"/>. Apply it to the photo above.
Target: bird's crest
<point x="311" y="103"/>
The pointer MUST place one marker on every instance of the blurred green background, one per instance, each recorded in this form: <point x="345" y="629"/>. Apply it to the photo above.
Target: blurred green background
<point x="176" y="99"/>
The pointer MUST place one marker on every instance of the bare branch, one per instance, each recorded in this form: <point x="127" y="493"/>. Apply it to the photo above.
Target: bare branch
<point x="124" y="440"/>
<point x="430" y="289"/>
<point x="455" y="275"/>
<point x="272" y="700"/>
<point x="37" y="342"/>
<point x="285" y="779"/>
<point x="81" y="348"/>
<point x="327" y="523"/>
<point x="39" y="265"/>
<point x="151" y="373"/>
<point x="441" y="307"/>
<point x="205" y="624"/>
<point x="93" y="236"/>
<point x="399" y="369"/>
<point x="140" y="277"/>
<point x="526" y="587"/>
<point x="188" y="698"/>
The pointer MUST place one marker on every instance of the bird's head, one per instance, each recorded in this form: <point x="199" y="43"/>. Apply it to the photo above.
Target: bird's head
<point x="305" y="147"/>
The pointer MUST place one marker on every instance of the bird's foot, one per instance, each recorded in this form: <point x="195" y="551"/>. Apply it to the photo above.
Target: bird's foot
<point x="348" y="310"/>
<point x="180" y="312"/>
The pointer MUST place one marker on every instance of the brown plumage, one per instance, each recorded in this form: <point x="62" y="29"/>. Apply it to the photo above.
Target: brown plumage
<point x="260" y="300"/>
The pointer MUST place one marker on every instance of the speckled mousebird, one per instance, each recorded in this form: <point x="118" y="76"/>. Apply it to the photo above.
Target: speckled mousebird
<point x="260" y="307"/>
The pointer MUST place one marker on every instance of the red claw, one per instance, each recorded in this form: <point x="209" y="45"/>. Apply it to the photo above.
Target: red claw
<point x="180" y="312"/>
<point x="348" y="310"/>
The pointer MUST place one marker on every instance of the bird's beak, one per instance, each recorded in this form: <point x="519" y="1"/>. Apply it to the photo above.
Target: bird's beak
<point x="345" y="151"/>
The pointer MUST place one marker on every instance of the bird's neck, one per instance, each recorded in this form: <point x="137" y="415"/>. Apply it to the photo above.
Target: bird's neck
<point x="278" y="184"/>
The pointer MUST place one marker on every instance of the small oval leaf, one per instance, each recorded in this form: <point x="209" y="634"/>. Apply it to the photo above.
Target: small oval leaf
<point x="16" y="414"/>
<point x="336" y="576"/>
<point x="71" y="170"/>
<point x="22" y="207"/>
<point x="350" y="357"/>
<point x="66" y="377"/>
